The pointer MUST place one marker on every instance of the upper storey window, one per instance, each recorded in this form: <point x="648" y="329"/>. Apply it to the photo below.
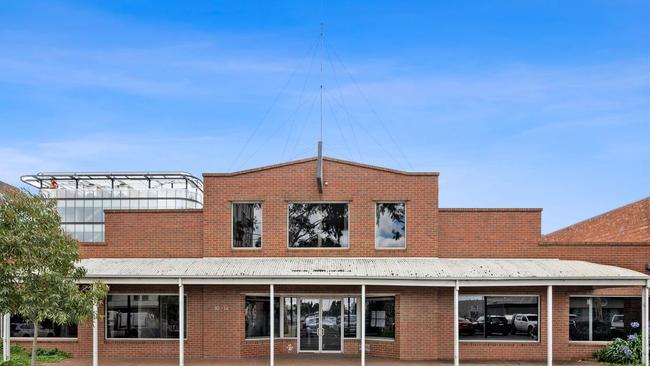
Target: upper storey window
<point x="390" y="225"/>
<point x="318" y="225"/>
<point x="247" y="225"/>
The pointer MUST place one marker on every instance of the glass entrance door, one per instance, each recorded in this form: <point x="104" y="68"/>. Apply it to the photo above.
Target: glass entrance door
<point x="309" y="325"/>
<point x="331" y="325"/>
<point x="320" y="325"/>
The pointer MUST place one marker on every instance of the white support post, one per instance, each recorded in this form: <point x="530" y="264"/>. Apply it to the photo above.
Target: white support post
<point x="363" y="325"/>
<point x="272" y="327"/>
<point x="456" y="334"/>
<point x="644" y="324"/>
<point x="6" y="340"/>
<point x="549" y="325"/>
<point x="181" y="323"/>
<point x="95" y="336"/>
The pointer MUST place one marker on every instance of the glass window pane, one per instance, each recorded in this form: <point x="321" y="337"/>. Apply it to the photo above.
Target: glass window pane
<point x="471" y="317"/>
<point x="143" y="316"/>
<point x="603" y="318"/>
<point x="247" y="225"/>
<point x="579" y="318"/>
<point x="290" y="317"/>
<point x="87" y="232"/>
<point x="380" y="317"/>
<point x="315" y="225"/>
<point x="511" y="317"/>
<point x="79" y="211"/>
<point x="508" y="318"/>
<point x="612" y="317"/>
<point x="256" y="317"/>
<point x="88" y="210"/>
<point x="390" y="225"/>
<point x="46" y="329"/>
<point x="69" y="215"/>
<point x="350" y="317"/>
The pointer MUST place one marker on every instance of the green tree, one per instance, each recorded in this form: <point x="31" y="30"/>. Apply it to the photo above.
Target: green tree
<point x="39" y="275"/>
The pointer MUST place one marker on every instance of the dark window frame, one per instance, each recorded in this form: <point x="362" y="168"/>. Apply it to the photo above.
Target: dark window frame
<point x="368" y="315"/>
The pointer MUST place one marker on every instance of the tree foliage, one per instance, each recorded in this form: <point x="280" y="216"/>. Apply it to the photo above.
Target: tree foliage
<point x="39" y="273"/>
<point x="317" y="225"/>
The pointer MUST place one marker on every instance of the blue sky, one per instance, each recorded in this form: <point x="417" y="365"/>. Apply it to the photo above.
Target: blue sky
<point x="515" y="103"/>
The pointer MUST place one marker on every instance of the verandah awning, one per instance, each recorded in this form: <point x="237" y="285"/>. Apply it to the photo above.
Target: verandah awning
<point x="402" y="271"/>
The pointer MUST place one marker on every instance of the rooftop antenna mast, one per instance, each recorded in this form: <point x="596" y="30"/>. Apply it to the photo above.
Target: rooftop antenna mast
<point x="322" y="33"/>
<point x="319" y="161"/>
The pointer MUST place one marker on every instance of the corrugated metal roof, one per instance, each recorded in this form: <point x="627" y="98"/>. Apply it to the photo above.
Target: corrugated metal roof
<point x="476" y="269"/>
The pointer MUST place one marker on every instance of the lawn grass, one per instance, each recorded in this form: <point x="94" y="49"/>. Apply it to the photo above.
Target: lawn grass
<point x="23" y="357"/>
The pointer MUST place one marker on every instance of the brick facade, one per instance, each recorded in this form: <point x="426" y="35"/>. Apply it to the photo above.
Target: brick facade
<point x="630" y="223"/>
<point x="424" y="316"/>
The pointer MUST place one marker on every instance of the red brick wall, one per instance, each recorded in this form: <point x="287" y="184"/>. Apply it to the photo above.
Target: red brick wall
<point x="502" y="233"/>
<point x="630" y="223"/>
<point x="361" y="186"/>
<point x="149" y="233"/>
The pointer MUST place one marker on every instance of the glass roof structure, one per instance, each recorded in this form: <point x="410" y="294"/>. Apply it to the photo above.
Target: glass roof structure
<point x="116" y="180"/>
<point x="81" y="198"/>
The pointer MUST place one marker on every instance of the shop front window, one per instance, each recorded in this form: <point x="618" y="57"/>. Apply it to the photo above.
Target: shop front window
<point x="603" y="318"/>
<point x="508" y="318"/>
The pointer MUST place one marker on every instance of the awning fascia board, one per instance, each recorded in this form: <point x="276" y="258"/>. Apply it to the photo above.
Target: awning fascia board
<point x="369" y="282"/>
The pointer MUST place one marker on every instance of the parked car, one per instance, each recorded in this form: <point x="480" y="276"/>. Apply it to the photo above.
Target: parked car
<point x="525" y="323"/>
<point x="465" y="327"/>
<point x="27" y="330"/>
<point x="617" y="322"/>
<point x="496" y="324"/>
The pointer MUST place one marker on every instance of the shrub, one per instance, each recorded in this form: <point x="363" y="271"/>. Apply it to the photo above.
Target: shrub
<point x="623" y="351"/>
<point x="21" y="357"/>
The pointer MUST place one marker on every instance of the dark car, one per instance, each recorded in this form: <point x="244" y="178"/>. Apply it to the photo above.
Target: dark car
<point x="465" y="327"/>
<point x="497" y="324"/>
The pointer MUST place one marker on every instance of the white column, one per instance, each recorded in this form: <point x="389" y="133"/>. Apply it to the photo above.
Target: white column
<point x="644" y="324"/>
<point x="456" y="335"/>
<point x="181" y="323"/>
<point x="272" y="321"/>
<point x="95" y="336"/>
<point x="363" y="325"/>
<point x="6" y="340"/>
<point x="549" y="326"/>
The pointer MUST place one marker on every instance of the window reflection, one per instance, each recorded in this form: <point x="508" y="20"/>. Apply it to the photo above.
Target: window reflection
<point x="290" y="317"/>
<point x="314" y="225"/>
<point x="390" y="222"/>
<point x="247" y="225"/>
<point x="257" y="315"/>
<point x="498" y="317"/>
<point x="19" y="327"/>
<point x="350" y="317"/>
<point x="143" y="316"/>
<point x="603" y="318"/>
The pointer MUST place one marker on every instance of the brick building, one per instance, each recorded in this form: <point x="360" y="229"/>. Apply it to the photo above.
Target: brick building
<point x="359" y="260"/>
